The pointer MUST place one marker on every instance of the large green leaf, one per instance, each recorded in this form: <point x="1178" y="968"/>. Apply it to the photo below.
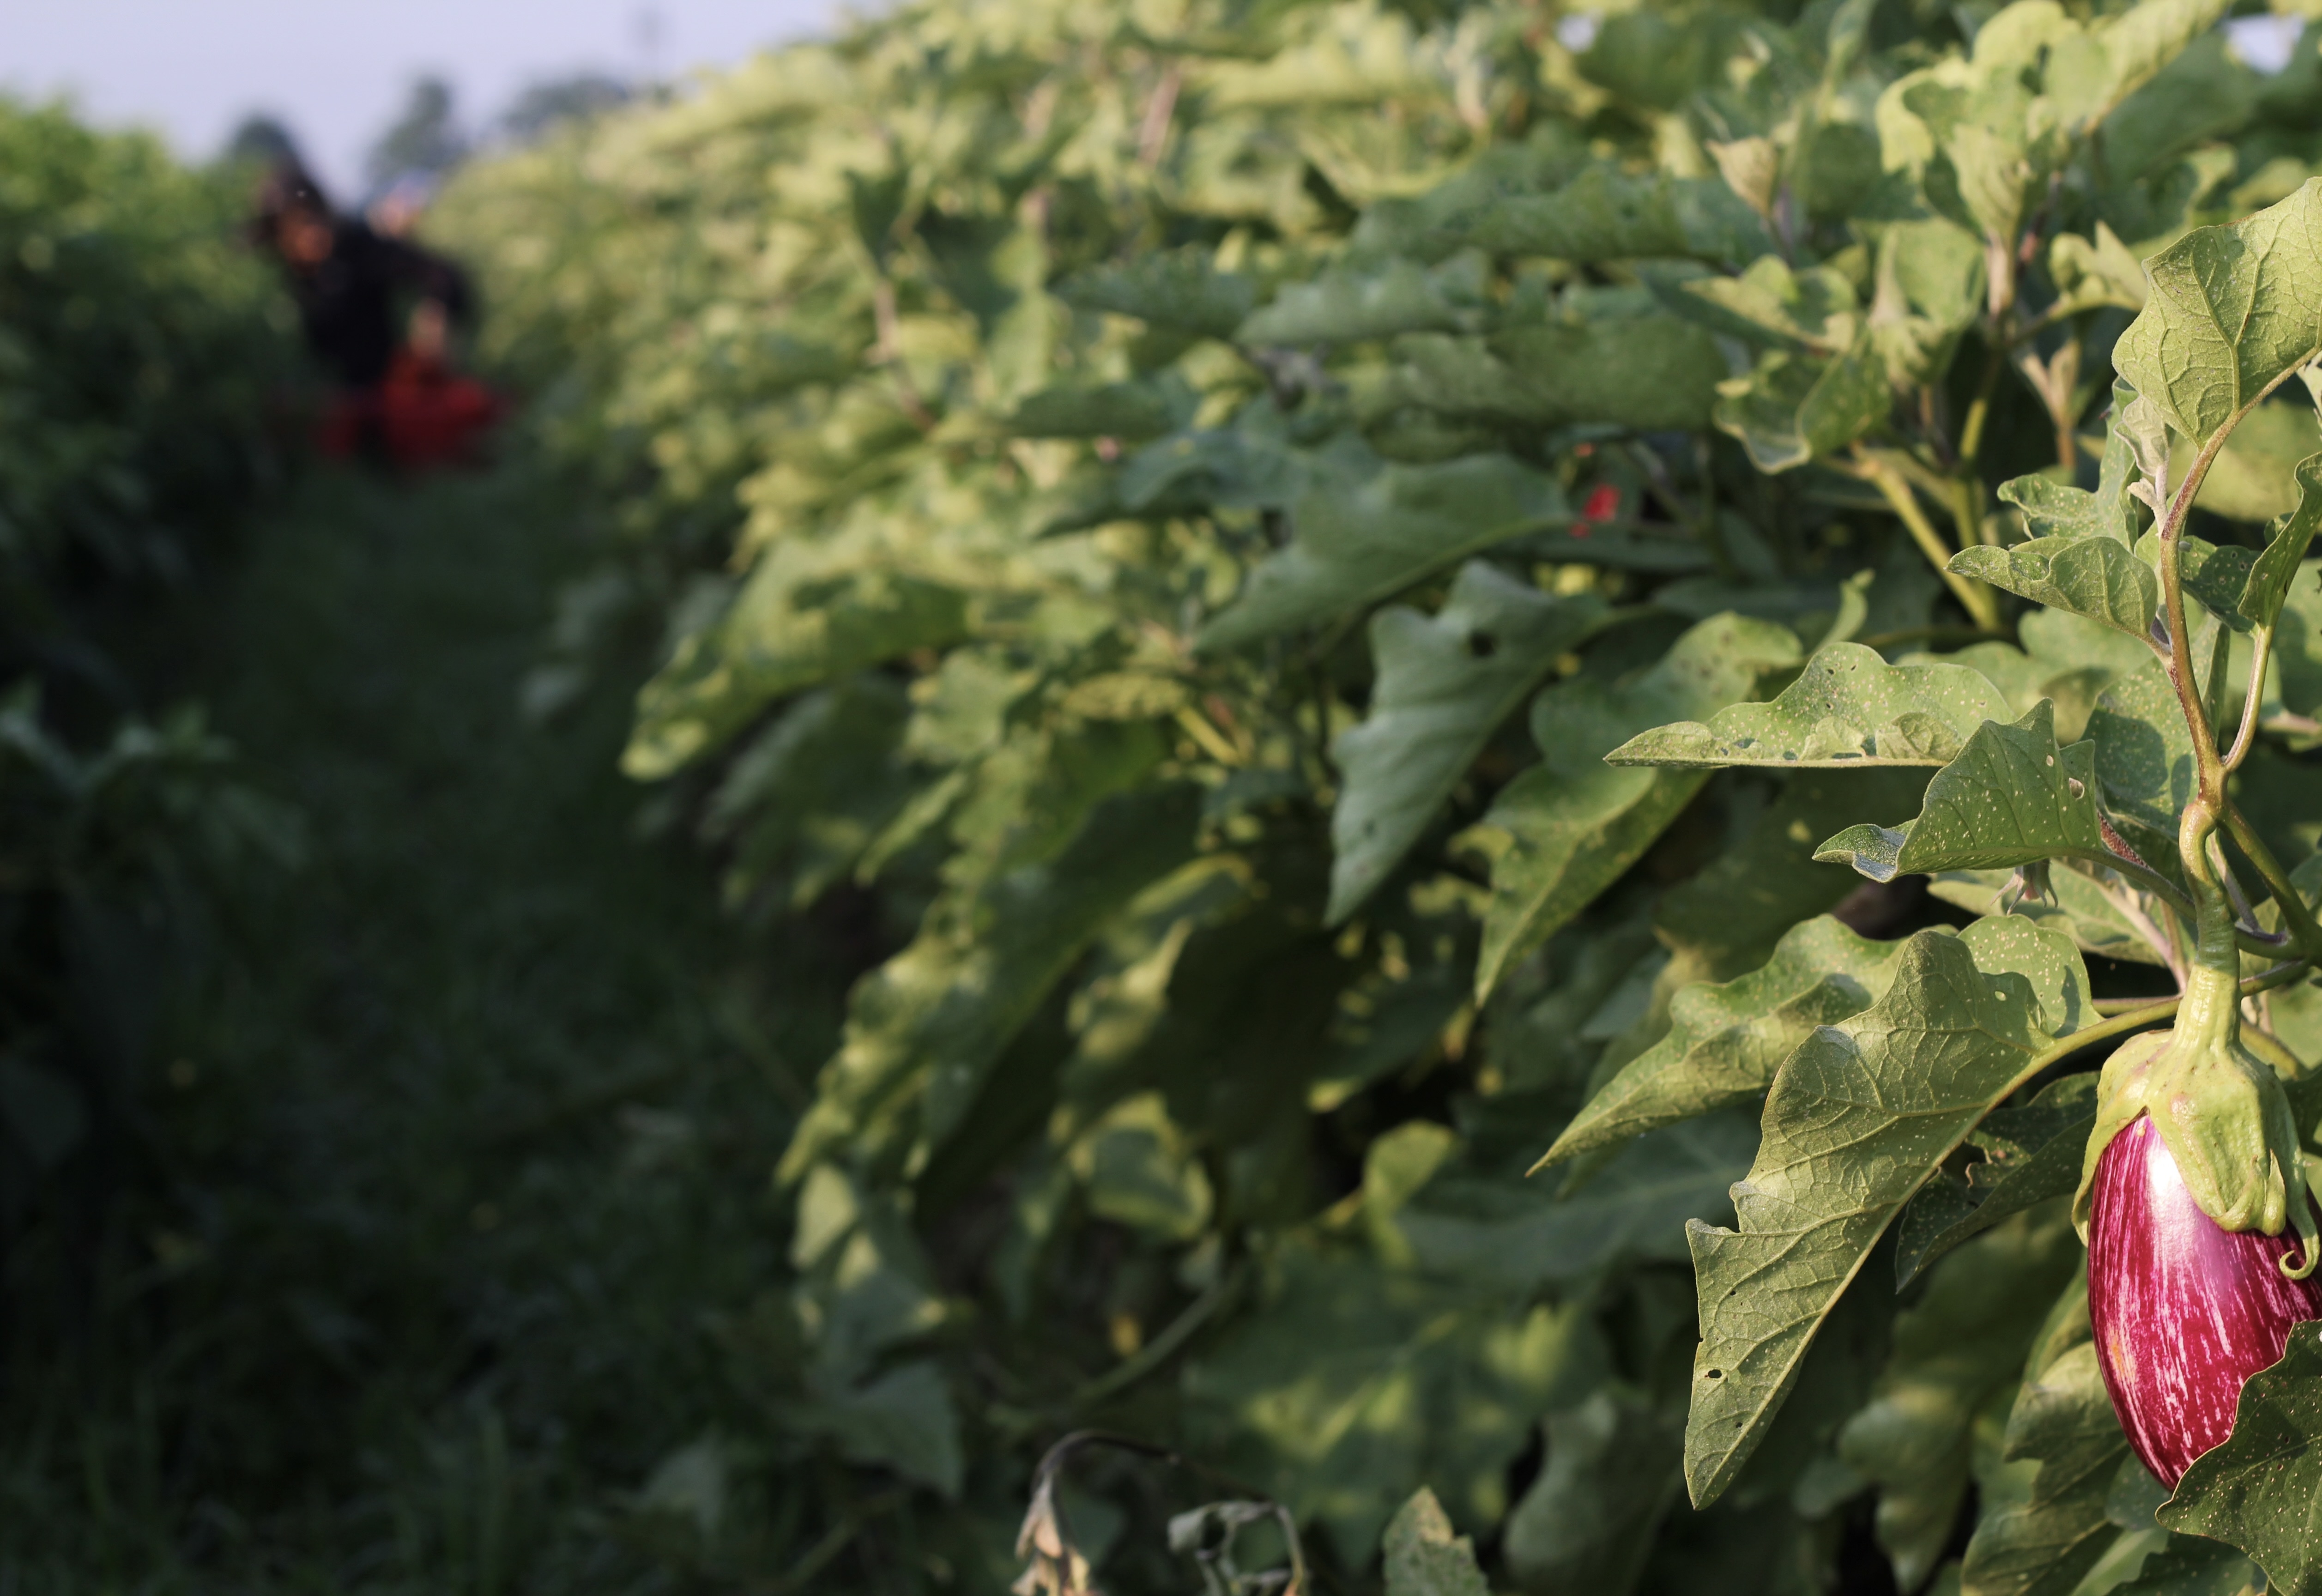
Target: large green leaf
<point x="1357" y="538"/>
<point x="1726" y="919"/>
<point x="1849" y="708"/>
<point x="1183" y="289"/>
<point x="1962" y="1344"/>
<point x="2145" y="753"/>
<point x="1375" y="300"/>
<point x="2094" y="576"/>
<point x="1606" y="214"/>
<point x="2011" y="798"/>
<point x="1725" y="1042"/>
<point x="2232" y="310"/>
<point x="1856" y="1120"/>
<point x="2261" y="1489"/>
<point x="2297" y="641"/>
<point x="924" y="1028"/>
<point x="809" y="612"/>
<point x="2053" y="509"/>
<point x="2087" y="906"/>
<point x="2062" y="1419"/>
<point x="2190" y="1566"/>
<point x="1769" y="302"/>
<point x="1651" y="372"/>
<point x="1445" y="683"/>
<point x="1571" y="824"/>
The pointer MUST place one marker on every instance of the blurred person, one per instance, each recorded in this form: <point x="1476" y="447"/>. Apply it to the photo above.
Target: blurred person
<point x="378" y="312"/>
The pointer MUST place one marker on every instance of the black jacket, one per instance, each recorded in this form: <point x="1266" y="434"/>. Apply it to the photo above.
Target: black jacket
<point x="351" y="304"/>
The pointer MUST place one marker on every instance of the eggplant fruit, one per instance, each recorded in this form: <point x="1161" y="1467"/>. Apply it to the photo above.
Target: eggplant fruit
<point x="2184" y="1310"/>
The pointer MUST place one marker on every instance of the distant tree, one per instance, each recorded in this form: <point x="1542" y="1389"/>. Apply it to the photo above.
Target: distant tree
<point x="426" y="138"/>
<point x="260" y="139"/>
<point x="554" y="100"/>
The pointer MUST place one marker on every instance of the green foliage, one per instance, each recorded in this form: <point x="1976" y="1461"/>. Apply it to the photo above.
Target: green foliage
<point x="1197" y="442"/>
<point x="137" y="344"/>
<point x="2257" y="1491"/>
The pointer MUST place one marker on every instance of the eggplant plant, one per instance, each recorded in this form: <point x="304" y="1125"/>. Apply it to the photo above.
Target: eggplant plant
<point x="1525" y="717"/>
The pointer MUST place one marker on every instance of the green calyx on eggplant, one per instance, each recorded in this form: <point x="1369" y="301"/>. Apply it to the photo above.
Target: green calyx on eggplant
<point x="2222" y="1114"/>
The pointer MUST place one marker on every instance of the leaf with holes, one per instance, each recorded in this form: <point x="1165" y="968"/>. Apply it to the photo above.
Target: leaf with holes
<point x="1857" y="1120"/>
<point x="2011" y="798"/>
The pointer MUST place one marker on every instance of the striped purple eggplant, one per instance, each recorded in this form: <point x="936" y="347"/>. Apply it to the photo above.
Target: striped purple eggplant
<point x="2184" y="1310"/>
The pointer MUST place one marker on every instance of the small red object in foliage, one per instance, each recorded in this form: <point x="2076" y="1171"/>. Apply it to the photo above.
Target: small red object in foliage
<point x="420" y="414"/>
<point x="2184" y="1310"/>
<point x="1603" y="503"/>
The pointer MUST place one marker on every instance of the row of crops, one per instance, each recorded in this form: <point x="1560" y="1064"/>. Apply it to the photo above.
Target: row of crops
<point x="1178" y="501"/>
<point x="139" y="346"/>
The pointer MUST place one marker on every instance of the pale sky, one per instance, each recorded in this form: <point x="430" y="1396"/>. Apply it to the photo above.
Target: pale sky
<point x="336" y="71"/>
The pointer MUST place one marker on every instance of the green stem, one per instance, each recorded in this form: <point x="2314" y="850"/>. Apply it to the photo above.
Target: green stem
<point x="1982" y="606"/>
<point x="2261" y="651"/>
<point x="2216" y="947"/>
<point x="2304" y="933"/>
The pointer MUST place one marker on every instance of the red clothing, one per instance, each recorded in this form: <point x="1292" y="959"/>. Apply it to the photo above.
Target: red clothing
<point x="420" y="414"/>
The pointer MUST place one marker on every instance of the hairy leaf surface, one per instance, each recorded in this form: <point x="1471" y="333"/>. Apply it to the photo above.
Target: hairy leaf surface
<point x="1857" y="1119"/>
